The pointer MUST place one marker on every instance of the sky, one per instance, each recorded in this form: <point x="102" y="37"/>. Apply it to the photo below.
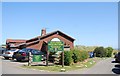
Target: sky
<point x="90" y="23"/>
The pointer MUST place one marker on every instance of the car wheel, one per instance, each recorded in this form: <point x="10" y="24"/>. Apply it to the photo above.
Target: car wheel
<point x="6" y="57"/>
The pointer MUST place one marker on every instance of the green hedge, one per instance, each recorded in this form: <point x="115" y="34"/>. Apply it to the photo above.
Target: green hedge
<point x="109" y="51"/>
<point x="103" y="52"/>
<point x="84" y="55"/>
<point x="68" y="58"/>
<point x="76" y="56"/>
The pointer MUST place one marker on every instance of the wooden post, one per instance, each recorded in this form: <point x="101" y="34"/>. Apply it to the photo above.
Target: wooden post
<point x="63" y="59"/>
<point x="47" y="57"/>
<point x="29" y="58"/>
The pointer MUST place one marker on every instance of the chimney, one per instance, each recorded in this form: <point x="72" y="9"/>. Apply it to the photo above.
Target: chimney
<point x="43" y="32"/>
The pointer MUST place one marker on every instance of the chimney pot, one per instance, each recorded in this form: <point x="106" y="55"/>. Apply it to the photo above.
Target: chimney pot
<point x="43" y="32"/>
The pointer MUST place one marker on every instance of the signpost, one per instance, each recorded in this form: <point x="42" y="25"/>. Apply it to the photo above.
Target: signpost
<point x="54" y="46"/>
<point x="33" y="58"/>
<point x="37" y="58"/>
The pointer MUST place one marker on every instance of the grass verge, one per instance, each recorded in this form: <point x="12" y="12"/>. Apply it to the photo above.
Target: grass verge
<point x="57" y="68"/>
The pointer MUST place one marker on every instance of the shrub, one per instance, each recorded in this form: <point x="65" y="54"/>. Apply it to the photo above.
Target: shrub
<point x="109" y="51"/>
<point x="68" y="58"/>
<point x="114" y="52"/>
<point x="100" y="52"/>
<point x="84" y="55"/>
<point x="76" y="55"/>
<point x="79" y="55"/>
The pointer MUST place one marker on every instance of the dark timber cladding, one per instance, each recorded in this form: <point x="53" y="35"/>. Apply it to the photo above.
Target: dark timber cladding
<point x="40" y="42"/>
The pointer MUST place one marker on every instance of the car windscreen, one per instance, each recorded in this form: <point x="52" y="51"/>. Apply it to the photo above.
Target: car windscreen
<point x="36" y="52"/>
<point x="10" y="50"/>
<point x="21" y="51"/>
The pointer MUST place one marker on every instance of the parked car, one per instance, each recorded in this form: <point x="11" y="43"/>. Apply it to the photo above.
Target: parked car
<point x="117" y="57"/>
<point x="8" y="54"/>
<point x="22" y="55"/>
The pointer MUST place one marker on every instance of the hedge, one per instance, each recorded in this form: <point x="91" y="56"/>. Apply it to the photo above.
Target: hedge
<point x="103" y="52"/>
<point x="109" y="51"/>
<point x="76" y="56"/>
<point x="84" y="55"/>
<point x="68" y="58"/>
<point x="79" y="55"/>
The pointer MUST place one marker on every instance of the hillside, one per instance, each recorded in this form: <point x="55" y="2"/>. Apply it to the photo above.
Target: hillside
<point x="86" y="48"/>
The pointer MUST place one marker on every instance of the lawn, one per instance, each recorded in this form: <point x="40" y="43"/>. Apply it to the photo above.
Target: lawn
<point x="57" y="68"/>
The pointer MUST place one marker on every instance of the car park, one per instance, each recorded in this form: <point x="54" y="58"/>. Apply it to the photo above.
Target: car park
<point x="8" y="54"/>
<point x="22" y="55"/>
<point x="117" y="57"/>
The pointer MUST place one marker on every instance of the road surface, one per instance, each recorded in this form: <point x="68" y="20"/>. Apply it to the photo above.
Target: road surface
<point x="107" y="66"/>
<point x="102" y="67"/>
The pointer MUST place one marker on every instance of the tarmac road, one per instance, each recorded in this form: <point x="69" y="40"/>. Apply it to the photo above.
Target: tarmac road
<point x="106" y="66"/>
<point x="9" y="67"/>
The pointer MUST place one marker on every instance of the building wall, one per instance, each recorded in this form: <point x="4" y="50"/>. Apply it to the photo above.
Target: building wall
<point x="66" y="41"/>
<point x="39" y="45"/>
<point x="10" y="45"/>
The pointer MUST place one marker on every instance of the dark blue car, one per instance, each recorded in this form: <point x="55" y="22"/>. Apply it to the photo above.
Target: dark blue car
<point x="22" y="55"/>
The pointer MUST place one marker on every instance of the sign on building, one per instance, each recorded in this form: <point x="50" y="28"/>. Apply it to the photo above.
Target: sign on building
<point x="54" y="46"/>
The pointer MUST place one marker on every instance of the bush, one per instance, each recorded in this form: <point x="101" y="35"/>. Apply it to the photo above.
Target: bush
<point x="100" y="52"/>
<point x="76" y="56"/>
<point x="114" y="52"/>
<point x="79" y="55"/>
<point x="109" y="51"/>
<point x="68" y="58"/>
<point x="84" y="55"/>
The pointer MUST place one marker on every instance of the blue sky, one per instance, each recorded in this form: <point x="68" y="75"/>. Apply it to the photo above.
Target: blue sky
<point x="90" y="23"/>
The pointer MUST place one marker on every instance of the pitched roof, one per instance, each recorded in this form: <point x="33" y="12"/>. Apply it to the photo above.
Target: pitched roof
<point x="56" y="32"/>
<point x="48" y="34"/>
<point x="15" y="40"/>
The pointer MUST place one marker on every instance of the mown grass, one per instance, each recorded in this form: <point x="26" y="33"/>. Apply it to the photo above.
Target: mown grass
<point x="57" y="68"/>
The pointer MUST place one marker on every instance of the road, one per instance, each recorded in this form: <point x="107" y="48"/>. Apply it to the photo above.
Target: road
<point x="14" y="68"/>
<point x="102" y="67"/>
<point x="107" y="66"/>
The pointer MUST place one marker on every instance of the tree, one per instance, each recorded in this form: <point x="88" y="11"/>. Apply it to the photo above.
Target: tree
<point x="100" y="52"/>
<point x="109" y="51"/>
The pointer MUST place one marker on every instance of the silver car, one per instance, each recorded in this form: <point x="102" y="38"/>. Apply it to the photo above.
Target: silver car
<point x="9" y="54"/>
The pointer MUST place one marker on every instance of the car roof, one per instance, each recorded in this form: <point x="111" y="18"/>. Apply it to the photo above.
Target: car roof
<point x="10" y="50"/>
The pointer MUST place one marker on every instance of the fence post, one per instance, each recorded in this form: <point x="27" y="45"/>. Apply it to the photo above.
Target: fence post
<point x="63" y="59"/>
<point x="47" y="58"/>
<point x="29" y="59"/>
